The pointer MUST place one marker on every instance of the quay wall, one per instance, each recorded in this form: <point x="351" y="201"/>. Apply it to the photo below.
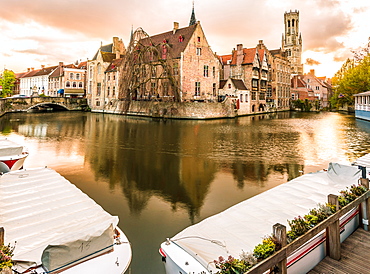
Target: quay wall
<point x="174" y="110"/>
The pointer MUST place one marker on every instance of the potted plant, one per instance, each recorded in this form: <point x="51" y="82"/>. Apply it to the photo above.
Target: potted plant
<point x="6" y="262"/>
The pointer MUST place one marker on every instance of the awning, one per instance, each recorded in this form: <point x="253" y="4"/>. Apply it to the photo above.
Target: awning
<point x="75" y="91"/>
<point x="61" y="91"/>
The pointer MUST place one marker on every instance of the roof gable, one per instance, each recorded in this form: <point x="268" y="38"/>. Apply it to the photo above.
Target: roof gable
<point x="177" y="40"/>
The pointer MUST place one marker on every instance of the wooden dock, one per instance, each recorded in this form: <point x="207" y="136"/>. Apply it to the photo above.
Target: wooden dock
<point x="355" y="256"/>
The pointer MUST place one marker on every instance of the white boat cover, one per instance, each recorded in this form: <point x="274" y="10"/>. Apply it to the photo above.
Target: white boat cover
<point x="363" y="161"/>
<point x="51" y="220"/>
<point x="9" y="148"/>
<point x="242" y="227"/>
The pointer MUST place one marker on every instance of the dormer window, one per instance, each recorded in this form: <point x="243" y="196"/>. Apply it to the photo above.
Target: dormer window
<point x="198" y="39"/>
<point x="181" y="38"/>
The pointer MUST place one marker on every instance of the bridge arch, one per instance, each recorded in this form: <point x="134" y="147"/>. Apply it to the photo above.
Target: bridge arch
<point x="48" y="105"/>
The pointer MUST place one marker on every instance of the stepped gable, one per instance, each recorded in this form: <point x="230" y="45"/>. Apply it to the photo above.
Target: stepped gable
<point x="176" y="39"/>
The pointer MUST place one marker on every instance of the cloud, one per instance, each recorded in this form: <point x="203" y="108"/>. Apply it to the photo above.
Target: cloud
<point x="312" y="62"/>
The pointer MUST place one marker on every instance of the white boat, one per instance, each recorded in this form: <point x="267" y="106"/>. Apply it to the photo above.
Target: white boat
<point x="362" y="105"/>
<point x="12" y="155"/>
<point x="56" y="228"/>
<point x="242" y="227"/>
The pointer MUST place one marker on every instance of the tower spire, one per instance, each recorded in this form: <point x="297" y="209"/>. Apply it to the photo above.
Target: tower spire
<point x="193" y="21"/>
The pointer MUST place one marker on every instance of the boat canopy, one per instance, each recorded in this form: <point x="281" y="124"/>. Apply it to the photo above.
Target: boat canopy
<point x="9" y="148"/>
<point x="52" y="222"/>
<point x="243" y="226"/>
<point x="363" y="161"/>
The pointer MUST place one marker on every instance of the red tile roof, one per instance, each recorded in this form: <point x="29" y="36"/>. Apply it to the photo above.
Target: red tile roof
<point x="249" y="55"/>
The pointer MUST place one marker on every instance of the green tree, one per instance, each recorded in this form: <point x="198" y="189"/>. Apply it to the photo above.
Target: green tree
<point x="7" y="81"/>
<point x="355" y="80"/>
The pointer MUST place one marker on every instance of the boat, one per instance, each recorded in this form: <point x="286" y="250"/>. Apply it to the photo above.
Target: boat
<point x="241" y="227"/>
<point x="56" y="228"/>
<point x="12" y="155"/>
<point x="362" y="105"/>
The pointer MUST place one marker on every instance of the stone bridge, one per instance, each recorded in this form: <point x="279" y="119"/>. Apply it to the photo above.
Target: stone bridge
<point x="27" y="104"/>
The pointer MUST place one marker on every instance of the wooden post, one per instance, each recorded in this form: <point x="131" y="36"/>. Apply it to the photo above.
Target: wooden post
<point x="333" y="233"/>
<point x="365" y="207"/>
<point x="279" y="232"/>
<point x="2" y="234"/>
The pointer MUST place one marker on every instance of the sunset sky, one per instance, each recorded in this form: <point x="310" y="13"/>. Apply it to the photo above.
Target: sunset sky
<point x="44" y="32"/>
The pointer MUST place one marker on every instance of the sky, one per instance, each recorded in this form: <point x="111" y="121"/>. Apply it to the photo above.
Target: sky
<point x="45" y="32"/>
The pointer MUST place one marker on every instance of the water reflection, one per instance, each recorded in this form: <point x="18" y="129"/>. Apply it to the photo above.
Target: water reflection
<point x="184" y="171"/>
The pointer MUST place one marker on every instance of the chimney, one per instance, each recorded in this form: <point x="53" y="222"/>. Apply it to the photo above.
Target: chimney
<point x="60" y="64"/>
<point x="32" y="68"/>
<point x="115" y="45"/>
<point x="312" y="72"/>
<point x="42" y="66"/>
<point x="175" y="27"/>
<point x="239" y="54"/>
<point x="28" y="69"/>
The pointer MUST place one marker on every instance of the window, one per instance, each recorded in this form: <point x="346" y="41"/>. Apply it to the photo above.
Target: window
<point x="77" y="76"/>
<point x="197" y="88"/>
<point x="165" y="89"/>
<point x="205" y="71"/>
<point x="229" y="86"/>
<point x="153" y="88"/>
<point x="317" y="88"/>
<point x="254" y="83"/>
<point x="114" y="91"/>
<point x="108" y="77"/>
<point x="80" y="85"/>
<point x="246" y="98"/>
<point x="99" y="68"/>
<point x="91" y="73"/>
<point x="74" y="84"/>
<point x="114" y="77"/>
<point x="97" y="103"/>
<point x="241" y="98"/>
<point x="164" y="52"/>
<point x="154" y="72"/>
<point x="181" y="38"/>
<point x="108" y="91"/>
<point x="199" y="51"/>
<point x="254" y="95"/>
<point x="214" y="89"/>
<point x="175" y="69"/>
<point x="71" y="76"/>
<point x="198" y="39"/>
<point x="98" y="89"/>
<point x="214" y="72"/>
<point x="68" y="84"/>
<point x="262" y="96"/>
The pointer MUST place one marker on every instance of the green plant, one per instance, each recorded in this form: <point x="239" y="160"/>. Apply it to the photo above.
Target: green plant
<point x="298" y="227"/>
<point x="6" y="254"/>
<point x="265" y="249"/>
<point x="231" y="265"/>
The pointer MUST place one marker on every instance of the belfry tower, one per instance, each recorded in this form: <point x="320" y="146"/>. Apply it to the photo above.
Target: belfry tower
<point x="292" y="41"/>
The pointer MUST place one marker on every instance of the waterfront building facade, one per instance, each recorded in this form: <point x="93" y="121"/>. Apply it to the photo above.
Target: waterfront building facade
<point x="96" y="73"/>
<point x="68" y="80"/>
<point x="237" y="92"/>
<point x="36" y="81"/>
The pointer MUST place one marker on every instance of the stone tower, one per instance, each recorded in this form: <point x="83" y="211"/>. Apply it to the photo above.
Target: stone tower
<point x="292" y="41"/>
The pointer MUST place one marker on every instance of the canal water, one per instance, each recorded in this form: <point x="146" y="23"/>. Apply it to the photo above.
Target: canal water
<point x="160" y="176"/>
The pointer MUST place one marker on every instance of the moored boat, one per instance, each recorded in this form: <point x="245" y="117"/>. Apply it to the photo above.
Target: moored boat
<point x="56" y="228"/>
<point x="12" y="155"/>
<point x="242" y="227"/>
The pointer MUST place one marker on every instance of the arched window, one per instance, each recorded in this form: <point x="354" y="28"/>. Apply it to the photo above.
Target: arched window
<point x="77" y="76"/>
<point x="293" y="23"/>
<point x="68" y="84"/>
<point x="80" y="85"/>
<point x="181" y="38"/>
<point x="74" y="84"/>
<point x="71" y="76"/>
<point x="288" y="23"/>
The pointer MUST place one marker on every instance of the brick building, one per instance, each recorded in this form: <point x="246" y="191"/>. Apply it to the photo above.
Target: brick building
<point x="97" y="81"/>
